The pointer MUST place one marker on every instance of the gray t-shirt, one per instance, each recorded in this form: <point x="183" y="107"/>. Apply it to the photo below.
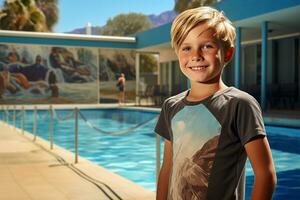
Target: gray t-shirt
<point x="208" y="139"/>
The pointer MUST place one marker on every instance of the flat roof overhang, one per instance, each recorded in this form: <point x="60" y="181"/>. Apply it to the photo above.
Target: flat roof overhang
<point x="282" y="23"/>
<point x="282" y="16"/>
<point x="39" y="38"/>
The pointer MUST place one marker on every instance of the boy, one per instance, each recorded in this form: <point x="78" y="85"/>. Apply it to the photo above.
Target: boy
<point x="211" y="128"/>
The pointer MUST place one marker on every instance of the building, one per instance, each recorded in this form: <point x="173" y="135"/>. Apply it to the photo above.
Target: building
<point x="266" y="62"/>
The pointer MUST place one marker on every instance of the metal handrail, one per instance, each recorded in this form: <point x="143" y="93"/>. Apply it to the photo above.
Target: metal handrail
<point x="76" y="113"/>
<point x="14" y="117"/>
<point x="51" y="127"/>
<point x="23" y="119"/>
<point x="76" y="134"/>
<point x="34" y="123"/>
<point x="7" y="115"/>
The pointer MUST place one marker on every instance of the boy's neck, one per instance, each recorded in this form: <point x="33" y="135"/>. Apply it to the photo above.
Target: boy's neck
<point x="200" y="91"/>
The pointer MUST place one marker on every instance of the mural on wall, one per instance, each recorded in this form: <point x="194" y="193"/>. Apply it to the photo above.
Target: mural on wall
<point x="31" y="74"/>
<point x="113" y="62"/>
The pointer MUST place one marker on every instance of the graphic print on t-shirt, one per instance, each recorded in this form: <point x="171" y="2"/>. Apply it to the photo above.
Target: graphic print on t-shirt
<point x="195" y="139"/>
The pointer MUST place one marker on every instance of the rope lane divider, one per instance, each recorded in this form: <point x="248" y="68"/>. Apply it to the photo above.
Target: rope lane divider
<point x="63" y="118"/>
<point x="42" y="117"/>
<point x="116" y="132"/>
<point x="11" y="115"/>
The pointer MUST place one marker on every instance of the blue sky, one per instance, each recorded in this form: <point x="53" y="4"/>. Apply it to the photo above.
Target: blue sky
<point x="76" y="13"/>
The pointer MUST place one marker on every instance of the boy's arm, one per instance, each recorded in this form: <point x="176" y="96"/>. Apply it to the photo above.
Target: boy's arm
<point x="163" y="179"/>
<point x="259" y="154"/>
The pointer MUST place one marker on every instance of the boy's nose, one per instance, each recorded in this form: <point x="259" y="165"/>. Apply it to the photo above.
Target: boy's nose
<point x="197" y="56"/>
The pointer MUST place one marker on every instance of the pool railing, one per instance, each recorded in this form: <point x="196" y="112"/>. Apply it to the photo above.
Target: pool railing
<point x="53" y="114"/>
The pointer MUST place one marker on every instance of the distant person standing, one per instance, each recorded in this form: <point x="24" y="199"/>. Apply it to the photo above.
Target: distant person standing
<point x="121" y="87"/>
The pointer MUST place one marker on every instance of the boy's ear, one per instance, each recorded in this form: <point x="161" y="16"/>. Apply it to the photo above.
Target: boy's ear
<point x="229" y="54"/>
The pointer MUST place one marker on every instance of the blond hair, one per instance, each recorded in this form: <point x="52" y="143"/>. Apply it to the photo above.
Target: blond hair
<point x="215" y="19"/>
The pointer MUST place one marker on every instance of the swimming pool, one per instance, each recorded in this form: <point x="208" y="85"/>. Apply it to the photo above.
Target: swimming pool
<point x="132" y="155"/>
<point x="285" y="145"/>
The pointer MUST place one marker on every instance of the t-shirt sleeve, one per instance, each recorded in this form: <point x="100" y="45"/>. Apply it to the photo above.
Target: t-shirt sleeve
<point x="163" y="125"/>
<point x="249" y="121"/>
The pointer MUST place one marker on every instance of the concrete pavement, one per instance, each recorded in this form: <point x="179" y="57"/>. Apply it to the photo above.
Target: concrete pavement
<point x="30" y="170"/>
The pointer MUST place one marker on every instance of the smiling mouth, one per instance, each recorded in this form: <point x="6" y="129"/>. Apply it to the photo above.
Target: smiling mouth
<point x="198" y="68"/>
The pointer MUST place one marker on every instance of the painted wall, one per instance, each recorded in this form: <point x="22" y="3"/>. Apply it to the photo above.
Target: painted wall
<point x="43" y="68"/>
<point x="113" y="62"/>
<point x="42" y="74"/>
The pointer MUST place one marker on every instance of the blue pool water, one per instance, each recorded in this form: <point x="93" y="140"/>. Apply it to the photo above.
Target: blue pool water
<point x="132" y="154"/>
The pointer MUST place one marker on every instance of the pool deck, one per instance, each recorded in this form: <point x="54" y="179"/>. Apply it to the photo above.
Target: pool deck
<point x="30" y="170"/>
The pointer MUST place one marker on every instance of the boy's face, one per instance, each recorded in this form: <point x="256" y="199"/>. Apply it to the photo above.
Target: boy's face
<point x="200" y="55"/>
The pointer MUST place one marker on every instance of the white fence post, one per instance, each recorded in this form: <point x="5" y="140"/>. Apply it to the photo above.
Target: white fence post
<point x="23" y="119"/>
<point x="34" y="124"/>
<point x="51" y="127"/>
<point x="76" y="135"/>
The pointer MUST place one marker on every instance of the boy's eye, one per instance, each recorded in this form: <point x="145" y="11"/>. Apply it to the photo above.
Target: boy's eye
<point x="207" y="46"/>
<point x="186" y="48"/>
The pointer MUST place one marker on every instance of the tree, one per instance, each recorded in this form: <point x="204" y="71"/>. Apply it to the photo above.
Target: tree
<point x="148" y="63"/>
<point x="50" y="10"/>
<point x="26" y="15"/>
<point x="182" y="5"/>
<point x="126" y="24"/>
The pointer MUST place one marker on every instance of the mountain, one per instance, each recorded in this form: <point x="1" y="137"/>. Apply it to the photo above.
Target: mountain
<point x="95" y="30"/>
<point x="162" y="18"/>
<point x="156" y="20"/>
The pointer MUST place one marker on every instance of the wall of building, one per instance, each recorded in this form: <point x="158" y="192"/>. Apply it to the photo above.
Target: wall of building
<point x="283" y="85"/>
<point x="38" y="68"/>
<point x="38" y="74"/>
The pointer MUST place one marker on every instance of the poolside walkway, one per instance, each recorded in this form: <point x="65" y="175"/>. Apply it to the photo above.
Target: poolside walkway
<point x="29" y="170"/>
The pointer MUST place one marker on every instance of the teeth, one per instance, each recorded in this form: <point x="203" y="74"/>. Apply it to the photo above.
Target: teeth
<point x="197" y="67"/>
